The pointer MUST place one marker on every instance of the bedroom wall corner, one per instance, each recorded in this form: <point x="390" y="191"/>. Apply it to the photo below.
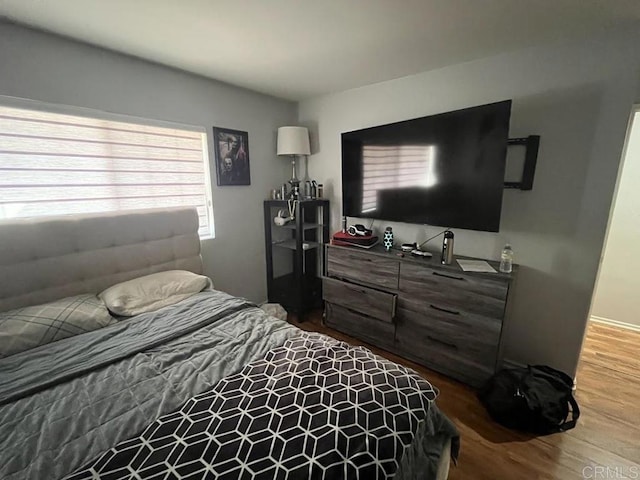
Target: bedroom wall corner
<point x="52" y="69"/>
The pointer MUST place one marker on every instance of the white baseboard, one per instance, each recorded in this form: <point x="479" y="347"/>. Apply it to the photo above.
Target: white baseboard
<point x="615" y="323"/>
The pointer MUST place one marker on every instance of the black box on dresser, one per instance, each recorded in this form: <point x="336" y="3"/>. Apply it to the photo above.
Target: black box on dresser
<point x="436" y="315"/>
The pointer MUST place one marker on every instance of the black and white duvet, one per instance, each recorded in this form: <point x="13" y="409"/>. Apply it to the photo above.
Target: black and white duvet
<point x="214" y="388"/>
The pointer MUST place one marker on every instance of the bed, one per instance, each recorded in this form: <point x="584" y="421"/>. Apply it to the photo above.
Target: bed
<point x="208" y="387"/>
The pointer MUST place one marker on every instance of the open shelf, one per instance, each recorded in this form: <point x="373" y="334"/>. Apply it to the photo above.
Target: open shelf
<point x="291" y="244"/>
<point x="307" y="287"/>
<point x="305" y="226"/>
<point x="299" y="252"/>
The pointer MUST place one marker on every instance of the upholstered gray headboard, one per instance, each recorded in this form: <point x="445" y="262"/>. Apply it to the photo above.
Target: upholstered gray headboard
<point x="47" y="258"/>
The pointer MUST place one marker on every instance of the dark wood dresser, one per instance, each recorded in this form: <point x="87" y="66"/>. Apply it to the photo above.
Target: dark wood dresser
<point x="437" y="315"/>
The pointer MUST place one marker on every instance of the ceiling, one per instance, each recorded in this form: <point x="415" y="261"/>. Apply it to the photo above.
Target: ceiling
<point x="296" y="49"/>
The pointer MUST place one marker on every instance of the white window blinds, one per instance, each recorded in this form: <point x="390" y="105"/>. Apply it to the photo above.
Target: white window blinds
<point x="54" y="164"/>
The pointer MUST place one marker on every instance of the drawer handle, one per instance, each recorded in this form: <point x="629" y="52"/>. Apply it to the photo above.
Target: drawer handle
<point x="440" y="309"/>
<point x="452" y="277"/>
<point x="442" y="342"/>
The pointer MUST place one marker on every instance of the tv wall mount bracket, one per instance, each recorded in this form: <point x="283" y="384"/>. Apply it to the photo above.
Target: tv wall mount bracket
<point x="531" y="145"/>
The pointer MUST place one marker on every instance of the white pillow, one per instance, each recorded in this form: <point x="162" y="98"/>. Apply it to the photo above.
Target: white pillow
<point x="29" y="327"/>
<point x="151" y="292"/>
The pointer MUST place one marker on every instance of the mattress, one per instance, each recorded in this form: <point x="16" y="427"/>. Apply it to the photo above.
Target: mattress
<point x="67" y="405"/>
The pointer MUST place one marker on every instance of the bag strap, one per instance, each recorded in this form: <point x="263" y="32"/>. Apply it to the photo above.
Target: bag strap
<point x="575" y="414"/>
<point x="551" y="374"/>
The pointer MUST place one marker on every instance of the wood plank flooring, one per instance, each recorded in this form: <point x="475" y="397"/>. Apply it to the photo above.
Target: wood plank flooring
<point x="604" y="445"/>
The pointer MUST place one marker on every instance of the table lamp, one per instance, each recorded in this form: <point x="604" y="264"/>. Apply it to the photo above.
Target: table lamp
<point x="293" y="141"/>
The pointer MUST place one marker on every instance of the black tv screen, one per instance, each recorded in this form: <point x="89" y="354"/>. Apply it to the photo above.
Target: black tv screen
<point x="446" y="170"/>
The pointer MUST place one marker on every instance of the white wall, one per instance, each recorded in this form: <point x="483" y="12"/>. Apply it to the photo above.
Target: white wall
<point x="48" y="68"/>
<point x="578" y="98"/>
<point x="617" y="293"/>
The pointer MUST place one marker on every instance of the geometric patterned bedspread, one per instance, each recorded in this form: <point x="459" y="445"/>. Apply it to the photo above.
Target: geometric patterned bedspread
<point x="311" y="408"/>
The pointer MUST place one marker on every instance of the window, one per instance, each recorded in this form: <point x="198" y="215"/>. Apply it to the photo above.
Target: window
<point x="56" y="164"/>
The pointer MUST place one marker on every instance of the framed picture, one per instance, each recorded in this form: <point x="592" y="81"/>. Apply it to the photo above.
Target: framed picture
<point x="232" y="156"/>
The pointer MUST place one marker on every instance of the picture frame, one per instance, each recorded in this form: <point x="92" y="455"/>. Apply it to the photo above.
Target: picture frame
<point x="231" y="148"/>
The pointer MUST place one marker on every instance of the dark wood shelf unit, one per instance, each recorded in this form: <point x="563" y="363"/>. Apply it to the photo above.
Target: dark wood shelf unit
<point x="300" y="290"/>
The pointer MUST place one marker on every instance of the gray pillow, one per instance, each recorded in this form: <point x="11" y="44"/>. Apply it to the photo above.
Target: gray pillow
<point x="29" y="327"/>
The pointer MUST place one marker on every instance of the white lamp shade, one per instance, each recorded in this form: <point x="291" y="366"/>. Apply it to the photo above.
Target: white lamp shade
<point x="293" y="141"/>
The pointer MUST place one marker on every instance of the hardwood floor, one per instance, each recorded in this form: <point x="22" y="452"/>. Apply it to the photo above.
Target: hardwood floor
<point x="604" y="445"/>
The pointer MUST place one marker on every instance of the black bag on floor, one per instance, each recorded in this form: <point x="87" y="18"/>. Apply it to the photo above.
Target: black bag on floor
<point x="534" y="399"/>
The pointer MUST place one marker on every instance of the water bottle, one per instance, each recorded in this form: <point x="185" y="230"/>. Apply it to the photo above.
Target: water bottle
<point x="447" y="248"/>
<point x="506" y="259"/>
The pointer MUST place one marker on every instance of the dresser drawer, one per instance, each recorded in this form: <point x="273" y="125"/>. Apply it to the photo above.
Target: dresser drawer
<point x="363" y="267"/>
<point x="374" y="303"/>
<point x="465" y="347"/>
<point x="442" y="357"/>
<point x="481" y="295"/>
<point x="472" y="335"/>
<point x="370" y="330"/>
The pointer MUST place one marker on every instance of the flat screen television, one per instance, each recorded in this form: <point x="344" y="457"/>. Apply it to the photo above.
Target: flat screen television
<point x="446" y="170"/>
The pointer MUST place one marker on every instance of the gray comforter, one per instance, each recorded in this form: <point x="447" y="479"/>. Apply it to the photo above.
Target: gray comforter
<point x="63" y="404"/>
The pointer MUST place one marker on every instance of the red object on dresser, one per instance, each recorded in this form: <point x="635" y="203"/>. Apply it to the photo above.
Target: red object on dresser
<point x="362" y="241"/>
